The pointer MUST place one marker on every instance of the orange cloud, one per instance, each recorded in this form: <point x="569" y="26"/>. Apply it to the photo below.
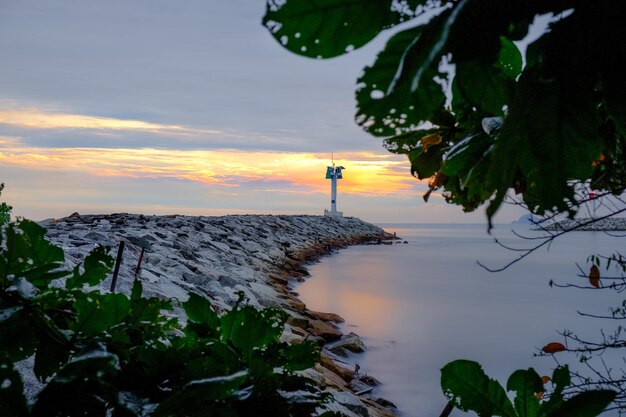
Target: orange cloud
<point x="366" y="173"/>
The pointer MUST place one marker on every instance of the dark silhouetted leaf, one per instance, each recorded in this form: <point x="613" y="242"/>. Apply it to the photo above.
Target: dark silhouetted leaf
<point x="97" y="313"/>
<point x="586" y="404"/>
<point x="526" y="384"/>
<point x="465" y="383"/>
<point x="328" y="28"/>
<point x="12" y="401"/>
<point x="199" y="310"/>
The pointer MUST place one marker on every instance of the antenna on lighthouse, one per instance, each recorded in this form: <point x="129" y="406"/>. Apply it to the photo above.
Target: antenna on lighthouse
<point x="333" y="173"/>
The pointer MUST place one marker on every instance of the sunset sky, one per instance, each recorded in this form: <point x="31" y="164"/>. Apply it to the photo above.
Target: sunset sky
<point x="190" y="107"/>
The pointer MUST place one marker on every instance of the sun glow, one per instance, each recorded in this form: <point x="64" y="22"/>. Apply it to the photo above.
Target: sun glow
<point x="366" y="173"/>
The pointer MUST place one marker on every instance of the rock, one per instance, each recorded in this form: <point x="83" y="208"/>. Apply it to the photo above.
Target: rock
<point x="352" y="403"/>
<point x="386" y="403"/>
<point x="95" y="237"/>
<point x="332" y="317"/>
<point x="377" y="410"/>
<point x="294" y="303"/>
<point x="298" y="321"/>
<point x="341" y="352"/>
<point x="359" y="387"/>
<point x="298" y="331"/>
<point x="351" y="342"/>
<point x="331" y="379"/>
<point x="317" y="340"/>
<point x="613" y="224"/>
<point x="323" y="330"/>
<point x="369" y="380"/>
<point x="345" y="373"/>
<point x="141" y="241"/>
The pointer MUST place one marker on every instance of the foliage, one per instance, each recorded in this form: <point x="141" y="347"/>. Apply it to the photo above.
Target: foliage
<point x="5" y="210"/>
<point x="539" y="127"/>
<point x="470" y="389"/>
<point x="481" y="112"/>
<point x="122" y="356"/>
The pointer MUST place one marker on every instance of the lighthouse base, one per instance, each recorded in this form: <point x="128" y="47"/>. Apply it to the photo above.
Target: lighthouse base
<point x="333" y="213"/>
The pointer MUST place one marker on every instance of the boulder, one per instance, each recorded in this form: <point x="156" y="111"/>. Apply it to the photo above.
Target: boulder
<point x="332" y="317"/>
<point x="323" y="330"/>
<point x="345" y="373"/>
<point x="351" y="342"/>
<point x="297" y="320"/>
<point x="352" y="403"/>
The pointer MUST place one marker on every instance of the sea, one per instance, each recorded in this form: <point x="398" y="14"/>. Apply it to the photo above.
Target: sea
<point x="425" y="301"/>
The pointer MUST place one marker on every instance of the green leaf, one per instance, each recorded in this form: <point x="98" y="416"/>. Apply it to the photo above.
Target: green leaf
<point x="552" y="145"/>
<point x="136" y="291"/>
<point x="525" y="383"/>
<point x="586" y="404"/>
<point x="328" y="28"/>
<point x="484" y="86"/>
<point x="385" y="105"/>
<point x="81" y="388"/>
<point x="28" y="254"/>
<point x="426" y="164"/>
<point x="561" y="377"/>
<point x="12" y="400"/>
<point x="200" y="311"/>
<point x="465" y="154"/>
<point x="301" y="356"/>
<point x="465" y="383"/>
<point x="202" y="393"/>
<point x="97" y="313"/>
<point x="218" y="359"/>
<point x="509" y="59"/>
<point x="95" y="269"/>
<point x="248" y="328"/>
<point x="50" y="357"/>
<point x="148" y="310"/>
<point x="469" y="160"/>
<point x="19" y="334"/>
<point x="399" y="91"/>
<point x="406" y="142"/>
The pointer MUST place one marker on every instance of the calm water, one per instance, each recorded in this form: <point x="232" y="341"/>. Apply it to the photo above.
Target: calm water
<point x="422" y="304"/>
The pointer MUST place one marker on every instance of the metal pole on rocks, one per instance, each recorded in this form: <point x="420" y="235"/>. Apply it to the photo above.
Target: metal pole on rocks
<point x="138" y="269"/>
<point x="118" y="263"/>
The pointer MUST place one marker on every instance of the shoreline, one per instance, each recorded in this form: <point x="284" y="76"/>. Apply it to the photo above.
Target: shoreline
<point x="260" y="255"/>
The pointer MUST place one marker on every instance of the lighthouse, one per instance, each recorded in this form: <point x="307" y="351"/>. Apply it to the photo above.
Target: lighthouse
<point x="333" y="173"/>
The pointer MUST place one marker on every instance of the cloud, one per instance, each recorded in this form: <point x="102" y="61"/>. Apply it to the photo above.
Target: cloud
<point x="37" y="119"/>
<point x="53" y="128"/>
<point x="366" y="174"/>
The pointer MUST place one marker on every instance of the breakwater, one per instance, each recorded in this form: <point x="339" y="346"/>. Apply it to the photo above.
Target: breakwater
<point x="220" y="257"/>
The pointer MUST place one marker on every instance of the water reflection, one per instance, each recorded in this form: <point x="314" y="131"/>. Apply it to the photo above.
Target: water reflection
<point x="420" y="305"/>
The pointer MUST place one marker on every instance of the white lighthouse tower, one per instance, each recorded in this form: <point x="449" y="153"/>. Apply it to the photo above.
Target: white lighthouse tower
<point x="333" y="174"/>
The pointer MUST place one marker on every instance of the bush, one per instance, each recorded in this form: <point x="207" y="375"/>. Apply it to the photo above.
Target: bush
<point x="116" y="355"/>
<point x="5" y="210"/>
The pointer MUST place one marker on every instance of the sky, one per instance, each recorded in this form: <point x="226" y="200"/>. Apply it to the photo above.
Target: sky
<point x="163" y="107"/>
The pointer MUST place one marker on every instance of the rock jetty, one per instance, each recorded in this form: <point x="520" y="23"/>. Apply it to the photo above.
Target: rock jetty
<point x="611" y="224"/>
<point x="219" y="257"/>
